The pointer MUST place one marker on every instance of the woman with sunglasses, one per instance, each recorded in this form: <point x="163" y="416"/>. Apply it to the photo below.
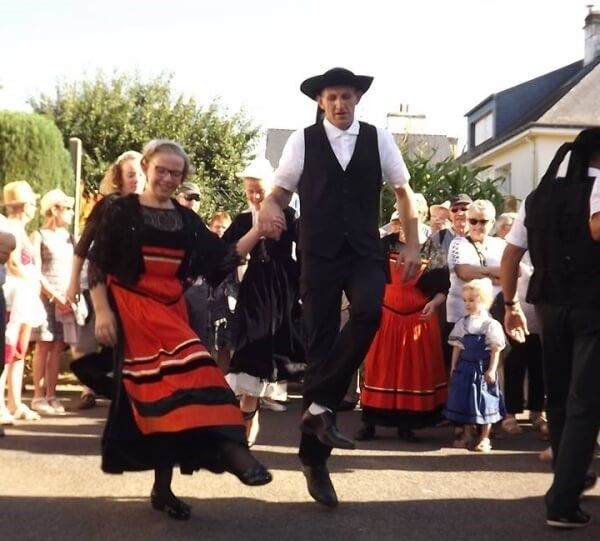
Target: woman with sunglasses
<point x="477" y="255"/>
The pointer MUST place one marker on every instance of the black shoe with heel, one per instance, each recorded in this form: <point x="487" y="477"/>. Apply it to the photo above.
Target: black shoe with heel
<point x="172" y="506"/>
<point x="408" y="435"/>
<point x="319" y="485"/>
<point x="238" y="460"/>
<point x="365" y="432"/>
<point x="323" y="427"/>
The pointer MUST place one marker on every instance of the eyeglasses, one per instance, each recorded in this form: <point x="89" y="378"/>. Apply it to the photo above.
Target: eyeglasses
<point x="475" y="221"/>
<point x="191" y="197"/>
<point x="458" y="209"/>
<point x="163" y="172"/>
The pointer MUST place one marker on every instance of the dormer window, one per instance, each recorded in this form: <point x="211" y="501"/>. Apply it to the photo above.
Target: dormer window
<point x="484" y="129"/>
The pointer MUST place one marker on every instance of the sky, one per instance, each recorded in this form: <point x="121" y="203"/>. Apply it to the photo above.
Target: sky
<point x="441" y="57"/>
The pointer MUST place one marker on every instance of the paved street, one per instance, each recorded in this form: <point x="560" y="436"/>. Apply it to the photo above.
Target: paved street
<point x="51" y="488"/>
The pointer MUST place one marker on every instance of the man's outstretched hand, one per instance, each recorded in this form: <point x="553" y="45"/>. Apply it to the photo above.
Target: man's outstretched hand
<point x="410" y="257"/>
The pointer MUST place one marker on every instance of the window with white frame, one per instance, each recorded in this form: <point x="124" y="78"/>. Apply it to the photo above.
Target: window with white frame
<point x="484" y="129"/>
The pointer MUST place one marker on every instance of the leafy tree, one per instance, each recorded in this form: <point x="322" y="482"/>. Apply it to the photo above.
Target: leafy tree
<point x="437" y="181"/>
<point x="31" y="148"/>
<point x="123" y="112"/>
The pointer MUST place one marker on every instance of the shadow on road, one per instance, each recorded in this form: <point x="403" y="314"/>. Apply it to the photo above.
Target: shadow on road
<point x="109" y="519"/>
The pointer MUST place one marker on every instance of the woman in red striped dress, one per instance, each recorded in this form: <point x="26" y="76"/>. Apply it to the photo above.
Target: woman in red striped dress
<point x="405" y="384"/>
<point x="171" y="405"/>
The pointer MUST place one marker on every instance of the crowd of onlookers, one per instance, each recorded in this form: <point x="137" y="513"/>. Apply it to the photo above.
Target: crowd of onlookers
<point x="49" y="307"/>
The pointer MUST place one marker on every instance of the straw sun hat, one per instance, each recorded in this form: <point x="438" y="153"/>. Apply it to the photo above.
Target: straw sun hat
<point x="53" y="198"/>
<point x="18" y="192"/>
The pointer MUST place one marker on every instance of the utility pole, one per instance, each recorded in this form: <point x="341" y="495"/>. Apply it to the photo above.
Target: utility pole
<point x="75" y="150"/>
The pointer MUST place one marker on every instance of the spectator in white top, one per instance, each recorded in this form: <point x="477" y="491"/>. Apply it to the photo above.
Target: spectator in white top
<point x="475" y="256"/>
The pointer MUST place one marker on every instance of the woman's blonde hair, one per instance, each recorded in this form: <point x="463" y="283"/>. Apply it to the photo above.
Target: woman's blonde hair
<point x="164" y="145"/>
<point x="112" y="182"/>
<point x="482" y="206"/>
<point x="483" y="288"/>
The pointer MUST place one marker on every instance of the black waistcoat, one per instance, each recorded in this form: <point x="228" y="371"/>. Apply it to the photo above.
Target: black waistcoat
<point x="565" y="258"/>
<point x="338" y="205"/>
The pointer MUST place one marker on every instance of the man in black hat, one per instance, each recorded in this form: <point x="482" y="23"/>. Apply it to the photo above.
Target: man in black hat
<point x="337" y="167"/>
<point x="560" y="225"/>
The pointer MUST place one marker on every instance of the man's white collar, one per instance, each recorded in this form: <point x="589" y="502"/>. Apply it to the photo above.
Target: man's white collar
<point x="333" y="131"/>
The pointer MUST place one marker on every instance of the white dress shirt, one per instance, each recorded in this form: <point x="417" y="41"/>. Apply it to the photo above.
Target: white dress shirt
<point x="342" y="143"/>
<point x="517" y="236"/>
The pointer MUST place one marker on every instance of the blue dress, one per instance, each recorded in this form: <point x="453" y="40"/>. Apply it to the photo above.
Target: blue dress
<point x="471" y="399"/>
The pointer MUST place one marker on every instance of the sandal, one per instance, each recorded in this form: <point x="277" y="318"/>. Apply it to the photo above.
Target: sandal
<point x="511" y="426"/>
<point x="461" y="443"/>
<point x="484" y="446"/>
<point x="24" y="413"/>
<point x="6" y="418"/>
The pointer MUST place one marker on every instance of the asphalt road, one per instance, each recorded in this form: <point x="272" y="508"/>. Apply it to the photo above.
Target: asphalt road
<point x="51" y="488"/>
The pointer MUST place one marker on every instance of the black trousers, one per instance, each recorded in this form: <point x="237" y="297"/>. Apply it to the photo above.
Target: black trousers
<point x="334" y="354"/>
<point x="571" y="354"/>
<point x="524" y="358"/>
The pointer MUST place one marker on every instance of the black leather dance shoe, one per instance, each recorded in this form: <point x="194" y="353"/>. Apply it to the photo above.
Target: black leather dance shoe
<point x="319" y="485"/>
<point x="577" y="519"/>
<point x="589" y="481"/>
<point x="323" y="427"/>
<point x="408" y="435"/>
<point x="365" y="432"/>
<point x="254" y="476"/>
<point x="174" y="508"/>
<point x="238" y="460"/>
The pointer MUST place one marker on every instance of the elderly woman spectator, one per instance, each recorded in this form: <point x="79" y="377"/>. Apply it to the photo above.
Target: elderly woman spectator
<point x="504" y="223"/>
<point x="53" y="254"/>
<point x="477" y="255"/>
<point x="439" y="217"/>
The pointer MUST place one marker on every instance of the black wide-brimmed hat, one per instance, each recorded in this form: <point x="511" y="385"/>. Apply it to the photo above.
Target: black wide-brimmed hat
<point x="313" y="86"/>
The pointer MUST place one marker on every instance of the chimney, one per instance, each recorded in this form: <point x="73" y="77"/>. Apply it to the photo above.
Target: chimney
<point x="591" y="31"/>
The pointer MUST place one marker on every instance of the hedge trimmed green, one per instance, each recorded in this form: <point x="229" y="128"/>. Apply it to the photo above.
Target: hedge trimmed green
<point x="31" y="149"/>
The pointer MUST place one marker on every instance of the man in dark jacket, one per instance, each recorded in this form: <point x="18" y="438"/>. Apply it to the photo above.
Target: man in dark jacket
<point x="337" y="167"/>
<point x="560" y="225"/>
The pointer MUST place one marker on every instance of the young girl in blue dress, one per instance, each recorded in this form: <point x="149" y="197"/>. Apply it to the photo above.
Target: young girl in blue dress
<point x="477" y="340"/>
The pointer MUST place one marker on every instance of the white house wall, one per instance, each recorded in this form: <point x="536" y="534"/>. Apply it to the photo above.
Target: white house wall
<point x="527" y="156"/>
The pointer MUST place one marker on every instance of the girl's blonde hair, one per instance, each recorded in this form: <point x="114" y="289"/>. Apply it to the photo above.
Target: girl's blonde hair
<point x="220" y="216"/>
<point x="483" y="288"/>
<point x="164" y="145"/>
<point x="112" y="182"/>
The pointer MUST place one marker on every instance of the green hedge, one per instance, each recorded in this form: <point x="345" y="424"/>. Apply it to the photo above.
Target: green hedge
<point x="31" y="149"/>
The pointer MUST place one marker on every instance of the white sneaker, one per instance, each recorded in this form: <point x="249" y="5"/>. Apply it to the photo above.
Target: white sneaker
<point x="270" y="404"/>
<point x="54" y="403"/>
<point x="42" y="406"/>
